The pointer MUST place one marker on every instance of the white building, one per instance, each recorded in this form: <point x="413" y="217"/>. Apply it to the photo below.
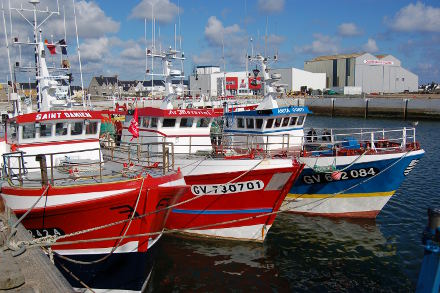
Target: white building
<point x="209" y="80"/>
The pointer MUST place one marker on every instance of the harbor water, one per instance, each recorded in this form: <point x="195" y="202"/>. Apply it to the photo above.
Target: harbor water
<point x="317" y="254"/>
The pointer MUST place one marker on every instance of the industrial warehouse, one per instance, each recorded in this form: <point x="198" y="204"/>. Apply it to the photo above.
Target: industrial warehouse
<point x="366" y="72"/>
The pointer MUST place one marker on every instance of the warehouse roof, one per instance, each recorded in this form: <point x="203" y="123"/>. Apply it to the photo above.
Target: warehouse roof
<point x="340" y="56"/>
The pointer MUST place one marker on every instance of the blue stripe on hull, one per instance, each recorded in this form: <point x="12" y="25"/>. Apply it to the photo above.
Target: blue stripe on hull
<point x="387" y="180"/>
<point x="221" y="212"/>
<point x="121" y="271"/>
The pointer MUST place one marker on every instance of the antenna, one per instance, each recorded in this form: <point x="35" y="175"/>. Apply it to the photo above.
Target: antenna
<point x="79" y="55"/>
<point x="7" y="48"/>
<point x="265" y="38"/>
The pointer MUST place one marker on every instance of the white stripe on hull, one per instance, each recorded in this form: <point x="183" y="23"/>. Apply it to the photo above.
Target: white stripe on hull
<point x="128" y="247"/>
<point x="335" y="205"/>
<point x="21" y="202"/>
<point x="253" y="232"/>
<point x="211" y="166"/>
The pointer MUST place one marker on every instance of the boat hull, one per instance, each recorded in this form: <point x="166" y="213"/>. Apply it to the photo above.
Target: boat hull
<point x="362" y="191"/>
<point x="75" y="208"/>
<point x="242" y="208"/>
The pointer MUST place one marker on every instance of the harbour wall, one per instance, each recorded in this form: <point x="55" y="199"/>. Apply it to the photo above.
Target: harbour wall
<point x="398" y="108"/>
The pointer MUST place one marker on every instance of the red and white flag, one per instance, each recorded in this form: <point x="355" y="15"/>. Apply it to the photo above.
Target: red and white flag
<point x="134" y="125"/>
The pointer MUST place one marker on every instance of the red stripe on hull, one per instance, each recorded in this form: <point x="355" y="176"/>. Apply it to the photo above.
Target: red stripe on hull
<point x="359" y="215"/>
<point x="250" y="200"/>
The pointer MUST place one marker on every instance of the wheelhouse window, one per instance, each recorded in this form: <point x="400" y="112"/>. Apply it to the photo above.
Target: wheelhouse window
<point x="45" y="129"/>
<point x="169" y="122"/>
<point x="153" y="122"/>
<point x="28" y="131"/>
<point x="250" y="123"/>
<point x="203" y="122"/>
<point x="60" y="129"/>
<point x="300" y="120"/>
<point x="186" y="122"/>
<point x="92" y="127"/>
<point x="278" y="122"/>
<point x="76" y="128"/>
<point x="145" y="122"/>
<point x="285" y="121"/>
<point x="240" y="123"/>
<point x="293" y="120"/>
<point x="259" y="123"/>
<point x="269" y="123"/>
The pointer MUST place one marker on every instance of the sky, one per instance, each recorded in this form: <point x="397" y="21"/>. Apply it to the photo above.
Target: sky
<point x="112" y="33"/>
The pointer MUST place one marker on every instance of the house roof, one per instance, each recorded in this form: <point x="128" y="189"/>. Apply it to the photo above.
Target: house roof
<point x="106" y="79"/>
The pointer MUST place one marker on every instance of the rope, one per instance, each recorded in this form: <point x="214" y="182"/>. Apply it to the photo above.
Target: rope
<point x="347" y="189"/>
<point x="314" y="168"/>
<point x="52" y="239"/>
<point x="120" y="240"/>
<point x="30" y="209"/>
<point x="221" y="223"/>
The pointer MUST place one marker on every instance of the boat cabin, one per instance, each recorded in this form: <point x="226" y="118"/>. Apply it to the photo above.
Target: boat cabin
<point x="187" y="129"/>
<point x="68" y="135"/>
<point x="268" y="129"/>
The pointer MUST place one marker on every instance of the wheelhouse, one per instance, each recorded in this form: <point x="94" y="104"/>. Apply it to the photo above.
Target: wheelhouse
<point x="187" y="129"/>
<point x="53" y="132"/>
<point x="272" y="129"/>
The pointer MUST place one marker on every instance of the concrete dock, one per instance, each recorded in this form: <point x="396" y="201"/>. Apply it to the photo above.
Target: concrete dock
<point x="31" y="271"/>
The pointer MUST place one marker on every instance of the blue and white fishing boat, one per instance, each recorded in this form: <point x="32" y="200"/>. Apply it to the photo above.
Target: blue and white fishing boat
<point x="348" y="172"/>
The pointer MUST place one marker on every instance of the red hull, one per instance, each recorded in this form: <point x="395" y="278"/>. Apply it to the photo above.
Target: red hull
<point x="218" y="211"/>
<point x="76" y="216"/>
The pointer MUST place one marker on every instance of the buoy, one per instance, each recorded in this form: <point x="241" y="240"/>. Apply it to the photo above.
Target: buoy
<point x="336" y="175"/>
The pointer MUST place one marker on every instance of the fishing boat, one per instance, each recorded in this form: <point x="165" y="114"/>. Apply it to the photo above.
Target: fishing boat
<point x="347" y="173"/>
<point x="98" y="217"/>
<point x="231" y="196"/>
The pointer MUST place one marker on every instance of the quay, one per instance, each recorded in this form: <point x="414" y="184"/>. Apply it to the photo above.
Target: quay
<point x="406" y="107"/>
<point x="30" y="271"/>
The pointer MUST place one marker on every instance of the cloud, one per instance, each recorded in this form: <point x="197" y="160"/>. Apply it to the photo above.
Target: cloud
<point x="271" y="6"/>
<point x="133" y="51"/>
<point x="95" y="49"/>
<point x="348" y="29"/>
<point x="370" y="46"/>
<point x="275" y="40"/>
<point x="164" y="10"/>
<point x="205" y="58"/>
<point x="321" y="45"/>
<point x="215" y="32"/>
<point x="416" y="18"/>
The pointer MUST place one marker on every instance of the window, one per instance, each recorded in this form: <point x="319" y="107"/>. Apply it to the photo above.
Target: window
<point x="278" y="122"/>
<point x="286" y="121"/>
<point x="300" y="120"/>
<point x="76" y="128"/>
<point x="259" y="123"/>
<point x="250" y="123"/>
<point x="28" y="131"/>
<point x="92" y="128"/>
<point x="153" y="122"/>
<point x="293" y="120"/>
<point x="45" y="130"/>
<point x="269" y="123"/>
<point x="203" y="122"/>
<point x="60" y="129"/>
<point x="240" y="123"/>
<point x="145" y="122"/>
<point x="169" y="122"/>
<point x="186" y="122"/>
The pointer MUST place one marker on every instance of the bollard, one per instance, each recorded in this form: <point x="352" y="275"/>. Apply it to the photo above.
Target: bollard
<point x="43" y="168"/>
<point x="429" y="276"/>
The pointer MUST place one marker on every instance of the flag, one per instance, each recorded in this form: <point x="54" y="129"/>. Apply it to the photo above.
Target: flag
<point x="134" y="126"/>
<point x="62" y="44"/>
<point x="50" y="47"/>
